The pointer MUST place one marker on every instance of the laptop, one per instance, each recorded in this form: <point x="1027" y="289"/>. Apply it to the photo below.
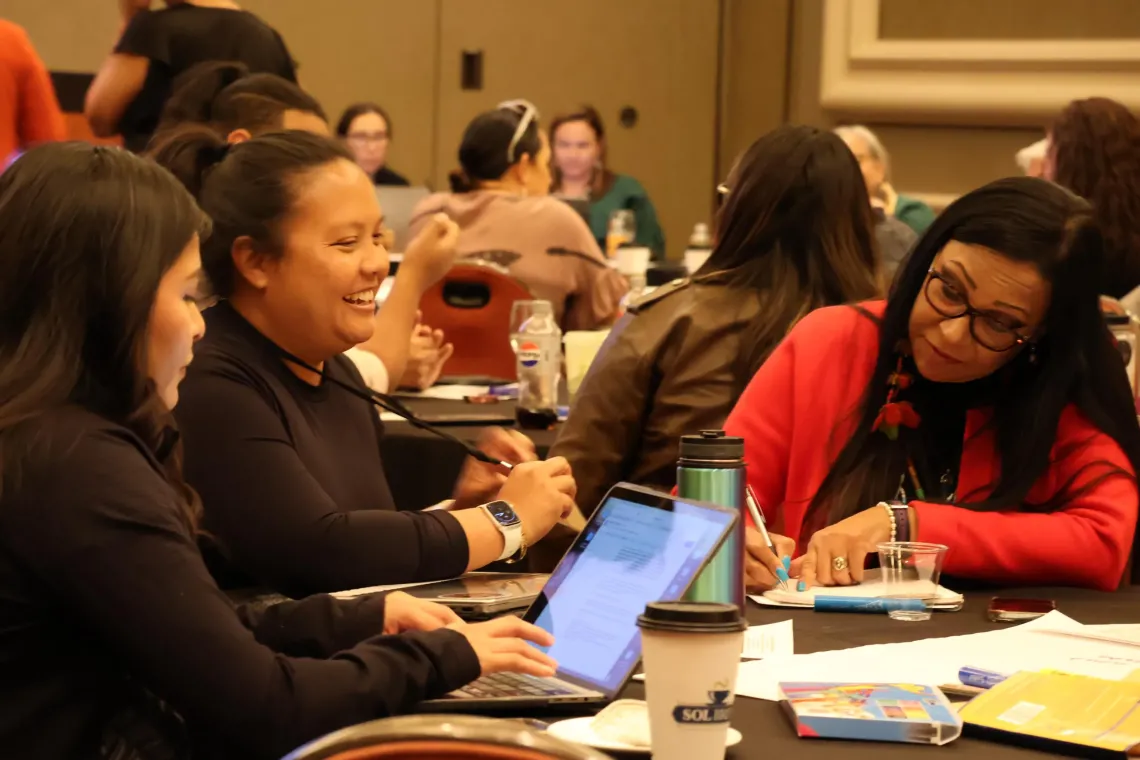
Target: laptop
<point x="397" y="203"/>
<point x="640" y="546"/>
<point x="479" y="596"/>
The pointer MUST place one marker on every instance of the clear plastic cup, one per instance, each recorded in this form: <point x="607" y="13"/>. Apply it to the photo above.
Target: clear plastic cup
<point x="911" y="570"/>
<point x="581" y="348"/>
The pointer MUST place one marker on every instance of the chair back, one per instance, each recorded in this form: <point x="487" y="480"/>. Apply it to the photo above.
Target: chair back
<point x="442" y="737"/>
<point x="472" y="305"/>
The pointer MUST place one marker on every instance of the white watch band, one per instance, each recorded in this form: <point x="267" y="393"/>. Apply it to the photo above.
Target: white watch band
<point x="512" y="534"/>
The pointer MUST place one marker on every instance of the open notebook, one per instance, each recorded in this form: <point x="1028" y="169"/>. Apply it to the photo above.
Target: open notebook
<point x="872" y="586"/>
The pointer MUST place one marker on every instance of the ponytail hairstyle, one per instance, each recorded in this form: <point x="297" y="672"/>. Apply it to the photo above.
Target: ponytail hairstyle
<point x="248" y="189"/>
<point x="226" y="96"/>
<point x="86" y="235"/>
<point x="483" y="152"/>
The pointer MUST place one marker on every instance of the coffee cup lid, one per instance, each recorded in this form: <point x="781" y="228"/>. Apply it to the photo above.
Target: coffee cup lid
<point x="692" y="617"/>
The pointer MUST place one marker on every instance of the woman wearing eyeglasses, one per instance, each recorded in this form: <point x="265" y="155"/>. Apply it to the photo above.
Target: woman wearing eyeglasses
<point x="500" y="200"/>
<point x="983" y="407"/>
<point x="367" y="133"/>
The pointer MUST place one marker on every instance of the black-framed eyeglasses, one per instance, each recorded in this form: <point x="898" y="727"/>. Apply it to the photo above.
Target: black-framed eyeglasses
<point x="529" y="114"/>
<point x="989" y="329"/>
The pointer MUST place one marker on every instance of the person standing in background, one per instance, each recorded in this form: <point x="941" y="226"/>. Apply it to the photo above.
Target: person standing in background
<point x="29" y="111"/>
<point x="579" y="170"/>
<point x="367" y="133"/>
<point x="134" y="82"/>
<point x="876" y="165"/>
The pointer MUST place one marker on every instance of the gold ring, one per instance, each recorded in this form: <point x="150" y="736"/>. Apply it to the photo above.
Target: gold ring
<point x="839" y="563"/>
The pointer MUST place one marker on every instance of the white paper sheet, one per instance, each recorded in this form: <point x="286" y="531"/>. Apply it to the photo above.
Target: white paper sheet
<point x="771" y="640"/>
<point x="1032" y="646"/>
<point x="871" y="587"/>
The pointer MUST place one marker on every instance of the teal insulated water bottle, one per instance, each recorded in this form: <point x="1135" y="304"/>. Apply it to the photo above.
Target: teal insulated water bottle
<point x="711" y="469"/>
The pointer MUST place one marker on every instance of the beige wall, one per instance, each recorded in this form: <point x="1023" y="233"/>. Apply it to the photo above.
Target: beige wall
<point x="708" y="76"/>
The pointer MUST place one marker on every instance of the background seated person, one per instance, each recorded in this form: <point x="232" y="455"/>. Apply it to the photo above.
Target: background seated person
<point x="579" y="170"/>
<point x="367" y="133"/>
<point x="500" y="200"/>
<point x="117" y="642"/>
<point x="876" y="164"/>
<point x="794" y="233"/>
<point x="985" y="396"/>
<point x="288" y="465"/>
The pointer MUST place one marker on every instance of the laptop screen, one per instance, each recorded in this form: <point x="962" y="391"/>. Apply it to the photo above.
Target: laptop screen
<point x="639" y="547"/>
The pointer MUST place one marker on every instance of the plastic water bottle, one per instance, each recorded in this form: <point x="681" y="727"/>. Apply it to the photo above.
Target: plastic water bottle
<point x="711" y="469"/>
<point x="538" y="348"/>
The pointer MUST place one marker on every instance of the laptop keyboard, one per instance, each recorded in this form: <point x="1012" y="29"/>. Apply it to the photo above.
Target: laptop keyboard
<point x="512" y="685"/>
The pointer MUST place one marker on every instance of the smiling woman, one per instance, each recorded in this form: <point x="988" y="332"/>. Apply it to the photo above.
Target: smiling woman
<point x="983" y="407"/>
<point x="293" y="489"/>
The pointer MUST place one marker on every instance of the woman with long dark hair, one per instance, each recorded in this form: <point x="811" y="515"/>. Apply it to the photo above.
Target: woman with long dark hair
<point x="983" y="406"/>
<point x="115" y="641"/>
<point x="1094" y="150"/>
<point x="795" y="233"/>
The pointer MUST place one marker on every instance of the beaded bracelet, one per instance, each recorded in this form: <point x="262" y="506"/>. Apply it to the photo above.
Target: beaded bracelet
<point x="891" y="515"/>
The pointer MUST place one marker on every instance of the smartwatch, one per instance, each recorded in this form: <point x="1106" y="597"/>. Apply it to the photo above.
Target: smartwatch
<point x="502" y="514"/>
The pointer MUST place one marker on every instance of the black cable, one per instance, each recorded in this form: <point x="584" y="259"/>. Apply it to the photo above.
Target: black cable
<point x="395" y="406"/>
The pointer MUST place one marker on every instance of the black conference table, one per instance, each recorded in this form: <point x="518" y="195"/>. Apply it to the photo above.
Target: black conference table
<point x="767" y="733"/>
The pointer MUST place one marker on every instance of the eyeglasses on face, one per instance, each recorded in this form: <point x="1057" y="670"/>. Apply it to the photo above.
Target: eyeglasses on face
<point x="992" y="330"/>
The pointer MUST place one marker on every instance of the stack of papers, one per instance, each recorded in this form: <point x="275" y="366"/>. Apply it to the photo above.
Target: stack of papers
<point x="1052" y="642"/>
<point x="760" y="641"/>
<point x="871" y="587"/>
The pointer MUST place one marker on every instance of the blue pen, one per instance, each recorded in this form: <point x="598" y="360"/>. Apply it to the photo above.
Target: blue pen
<point x="866" y="604"/>
<point x="980" y="678"/>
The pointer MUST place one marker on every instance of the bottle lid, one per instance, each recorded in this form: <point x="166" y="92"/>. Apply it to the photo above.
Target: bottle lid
<point x="692" y="617"/>
<point x="712" y="445"/>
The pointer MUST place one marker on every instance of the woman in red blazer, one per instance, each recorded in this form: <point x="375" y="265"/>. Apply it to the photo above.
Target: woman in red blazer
<point x="983" y="406"/>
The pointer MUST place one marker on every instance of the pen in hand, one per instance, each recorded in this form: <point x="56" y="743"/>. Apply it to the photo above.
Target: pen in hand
<point x="758" y="519"/>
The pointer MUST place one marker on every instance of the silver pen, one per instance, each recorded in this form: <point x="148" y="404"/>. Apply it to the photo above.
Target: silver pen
<point x="758" y="520"/>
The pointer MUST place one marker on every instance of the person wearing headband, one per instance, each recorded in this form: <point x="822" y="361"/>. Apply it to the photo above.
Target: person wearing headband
<point x="500" y="199"/>
<point x="116" y="641"/>
<point x="288" y="463"/>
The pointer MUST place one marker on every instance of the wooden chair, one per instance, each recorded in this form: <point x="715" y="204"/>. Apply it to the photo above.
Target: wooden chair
<point x="442" y="737"/>
<point x="472" y="305"/>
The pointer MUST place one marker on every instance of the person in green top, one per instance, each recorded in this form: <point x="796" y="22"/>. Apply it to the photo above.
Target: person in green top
<point x="578" y="170"/>
<point x="876" y="165"/>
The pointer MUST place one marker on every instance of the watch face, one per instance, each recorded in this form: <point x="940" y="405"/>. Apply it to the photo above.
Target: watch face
<point x="502" y="513"/>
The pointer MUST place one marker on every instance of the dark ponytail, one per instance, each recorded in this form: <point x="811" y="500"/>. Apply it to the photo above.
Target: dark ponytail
<point x="226" y="96"/>
<point x="247" y="189"/>
<point x="483" y="150"/>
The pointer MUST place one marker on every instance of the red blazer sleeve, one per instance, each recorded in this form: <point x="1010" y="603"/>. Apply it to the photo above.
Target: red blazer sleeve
<point x="1085" y="544"/>
<point x="763" y="417"/>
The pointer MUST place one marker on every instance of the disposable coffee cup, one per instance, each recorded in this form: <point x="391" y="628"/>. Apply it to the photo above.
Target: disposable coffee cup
<point x="691" y="652"/>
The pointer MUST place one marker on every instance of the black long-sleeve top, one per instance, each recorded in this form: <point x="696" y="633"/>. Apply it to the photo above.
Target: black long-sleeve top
<point x="106" y="605"/>
<point x="290" y="475"/>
